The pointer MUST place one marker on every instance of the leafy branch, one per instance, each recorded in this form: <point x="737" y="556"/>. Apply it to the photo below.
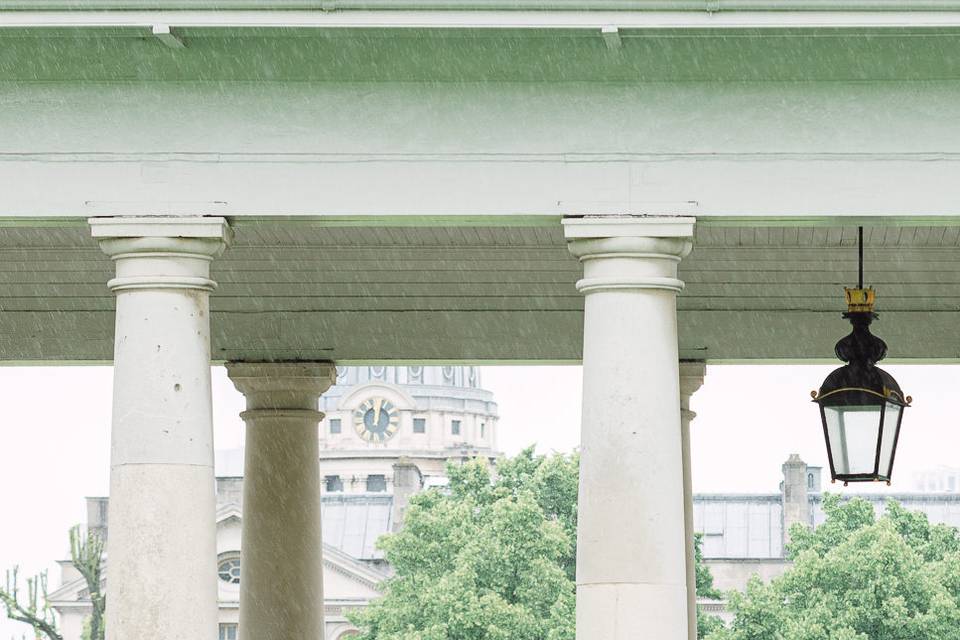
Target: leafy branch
<point x="34" y="610"/>
<point x="86" y="552"/>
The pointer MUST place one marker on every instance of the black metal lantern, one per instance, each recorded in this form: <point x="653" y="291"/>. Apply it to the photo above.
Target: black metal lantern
<point x="861" y="405"/>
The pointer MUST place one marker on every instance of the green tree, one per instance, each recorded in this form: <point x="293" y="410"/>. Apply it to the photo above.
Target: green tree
<point x="86" y="553"/>
<point x="32" y="608"/>
<point x="492" y="557"/>
<point x="858" y="577"/>
<point x="706" y="624"/>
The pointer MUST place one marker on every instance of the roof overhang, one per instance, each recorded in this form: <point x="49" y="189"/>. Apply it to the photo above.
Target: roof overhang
<point x="708" y="7"/>
<point x="482" y="14"/>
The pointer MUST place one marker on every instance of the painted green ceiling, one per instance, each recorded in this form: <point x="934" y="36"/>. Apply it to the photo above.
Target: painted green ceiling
<point x="451" y="55"/>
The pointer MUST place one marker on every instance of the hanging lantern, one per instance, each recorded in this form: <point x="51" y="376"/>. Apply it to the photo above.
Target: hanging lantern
<point x="861" y="405"/>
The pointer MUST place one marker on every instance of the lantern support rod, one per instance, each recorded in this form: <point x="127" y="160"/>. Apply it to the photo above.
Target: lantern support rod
<point x="860" y="251"/>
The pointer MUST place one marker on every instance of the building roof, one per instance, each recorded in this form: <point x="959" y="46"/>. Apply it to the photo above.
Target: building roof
<point x="750" y="526"/>
<point x="352" y="524"/>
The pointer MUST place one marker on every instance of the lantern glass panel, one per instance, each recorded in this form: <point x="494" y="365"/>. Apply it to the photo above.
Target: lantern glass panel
<point x="853" y="432"/>
<point x="891" y="422"/>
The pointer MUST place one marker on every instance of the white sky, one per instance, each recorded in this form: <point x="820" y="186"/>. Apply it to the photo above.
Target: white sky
<point x="54" y="438"/>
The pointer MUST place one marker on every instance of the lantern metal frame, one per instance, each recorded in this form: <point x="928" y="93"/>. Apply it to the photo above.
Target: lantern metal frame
<point x="860" y="383"/>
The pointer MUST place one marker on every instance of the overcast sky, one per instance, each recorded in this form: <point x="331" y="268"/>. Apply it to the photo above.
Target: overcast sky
<point x="54" y="441"/>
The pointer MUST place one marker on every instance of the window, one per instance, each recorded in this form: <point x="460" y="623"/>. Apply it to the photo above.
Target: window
<point x="228" y="632"/>
<point x="809" y="481"/>
<point x="335" y="425"/>
<point x="333" y="484"/>
<point x="455" y="427"/>
<point x="376" y="484"/>
<point x="229" y="570"/>
<point x="419" y="425"/>
<point x="483" y="430"/>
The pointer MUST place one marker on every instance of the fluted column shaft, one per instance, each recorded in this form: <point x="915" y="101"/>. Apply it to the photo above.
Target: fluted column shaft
<point x="281" y="568"/>
<point x="631" y="557"/>
<point x="161" y="548"/>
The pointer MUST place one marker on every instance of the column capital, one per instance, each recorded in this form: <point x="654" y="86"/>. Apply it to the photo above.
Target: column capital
<point x="161" y="252"/>
<point x="691" y="379"/>
<point x="275" y="388"/>
<point x="629" y="252"/>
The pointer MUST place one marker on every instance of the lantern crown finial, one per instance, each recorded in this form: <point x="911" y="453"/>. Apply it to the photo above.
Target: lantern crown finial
<point x="860" y="300"/>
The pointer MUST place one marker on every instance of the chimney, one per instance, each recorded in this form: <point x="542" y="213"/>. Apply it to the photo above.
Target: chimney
<point x="407" y="481"/>
<point x="229" y="491"/>
<point x="796" y="505"/>
<point x="97" y="516"/>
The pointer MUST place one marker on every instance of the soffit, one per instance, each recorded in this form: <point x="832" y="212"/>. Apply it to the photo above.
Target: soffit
<point x="464" y="54"/>
<point x="301" y="290"/>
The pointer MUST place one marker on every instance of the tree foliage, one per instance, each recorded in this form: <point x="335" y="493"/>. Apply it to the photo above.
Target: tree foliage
<point x="86" y="553"/>
<point x="706" y="624"/>
<point x="33" y="609"/>
<point x="858" y="577"/>
<point x="492" y="557"/>
<point x="30" y="608"/>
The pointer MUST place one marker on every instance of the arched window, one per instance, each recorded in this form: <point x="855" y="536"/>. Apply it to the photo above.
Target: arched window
<point x="809" y="481"/>
<point x="228" y="568"/>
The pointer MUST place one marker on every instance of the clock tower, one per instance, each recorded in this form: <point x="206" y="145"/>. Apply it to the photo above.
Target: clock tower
<point x="376" y="416"/>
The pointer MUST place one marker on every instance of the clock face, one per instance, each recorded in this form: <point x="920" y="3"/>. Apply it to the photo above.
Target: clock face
<point x="376" y="420"/>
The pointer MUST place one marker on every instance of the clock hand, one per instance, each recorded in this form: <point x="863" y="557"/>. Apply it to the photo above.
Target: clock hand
<point x="376" y="410"/>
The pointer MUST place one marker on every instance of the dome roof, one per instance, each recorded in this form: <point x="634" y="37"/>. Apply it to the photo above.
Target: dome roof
<point x="463" y="377"/>
<point x="430" y="388"/>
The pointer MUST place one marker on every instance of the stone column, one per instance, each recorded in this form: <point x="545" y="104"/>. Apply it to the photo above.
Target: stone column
<point x="691" y="378"/>
<point x="631" y="556"/>
<point x="162" y="512"/>
<point x="281" y="566"/>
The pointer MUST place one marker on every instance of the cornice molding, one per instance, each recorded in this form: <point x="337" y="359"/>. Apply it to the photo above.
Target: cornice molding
<point x="643" y="6"/>
<point x="484" y="14"/>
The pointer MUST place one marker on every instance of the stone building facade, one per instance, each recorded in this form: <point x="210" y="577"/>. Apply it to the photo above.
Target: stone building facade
<point x="745" y="534"/>
<point x="387" y="433"/>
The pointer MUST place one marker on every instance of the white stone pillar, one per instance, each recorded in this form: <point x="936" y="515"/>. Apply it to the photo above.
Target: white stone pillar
<point x="691" y="379"/>
<point x="631" y="556"/>
<point x="281" y="565"/>
<point x="161" y="547"/>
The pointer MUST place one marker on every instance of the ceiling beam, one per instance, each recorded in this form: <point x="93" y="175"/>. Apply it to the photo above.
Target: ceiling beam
<point x="14" y="14"/>
<point x="646" y="6"/>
